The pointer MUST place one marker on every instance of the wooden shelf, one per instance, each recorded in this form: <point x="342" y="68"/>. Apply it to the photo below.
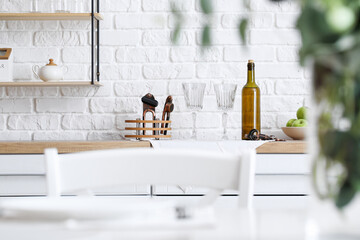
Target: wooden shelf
<point x="48" y="16"/>
<point x="48" y="84"/>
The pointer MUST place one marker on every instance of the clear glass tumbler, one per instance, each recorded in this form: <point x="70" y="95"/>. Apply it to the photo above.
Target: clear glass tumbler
<point x="62" y="7"/>
<point x="194" y="98"/>
<point x="80" y="6"/>
<point x="35" y="6"/>
<point x="72" y="6"/>
<point x="225" y="97"/>
<point x="76" y="6"/>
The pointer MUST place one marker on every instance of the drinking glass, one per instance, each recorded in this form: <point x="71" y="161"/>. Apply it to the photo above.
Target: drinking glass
<point x="73" y="6"/>
<point x="80" y="6"/>
<point x="225" y="96"/>
<point x="62" y="7"/>
<point x="35" y="6"/>
<point x="76" y="6"/>
<point x="194" y="98"/>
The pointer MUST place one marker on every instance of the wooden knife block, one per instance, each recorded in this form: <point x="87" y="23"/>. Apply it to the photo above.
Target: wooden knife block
<point x="141" y="128"/>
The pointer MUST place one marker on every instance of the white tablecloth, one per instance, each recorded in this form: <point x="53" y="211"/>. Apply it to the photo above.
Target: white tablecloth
<point x="231" y="224"/>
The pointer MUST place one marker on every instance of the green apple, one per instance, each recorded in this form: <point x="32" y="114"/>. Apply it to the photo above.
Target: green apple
<point x="341" y="18"/>
<point x="300" y="123"/>
<point x="290" y="122"/>
<point x="302" y="113"/>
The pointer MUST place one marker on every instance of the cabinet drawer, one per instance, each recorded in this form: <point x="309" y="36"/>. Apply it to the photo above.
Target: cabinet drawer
<point x="22" y="185"/>
<point x="36" y="185"/>
<point x="283" y="164"/>
<point x="265" y="164"/>
<point x="282" y="184"/>
<point x="264" y="184"/>
<point x="22" y="164"/>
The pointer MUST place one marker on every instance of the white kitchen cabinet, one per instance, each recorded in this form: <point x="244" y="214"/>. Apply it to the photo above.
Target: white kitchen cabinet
<point x="291" y="164"/>
<point x="32" y="185"/>
<point x="24" y="175"/>
<point x="270" y="179"/>
<point x="276" y="174"/>
<point x="283" y="169"/>
<point x="22" y="164"/>
<point x="22" y="185"/>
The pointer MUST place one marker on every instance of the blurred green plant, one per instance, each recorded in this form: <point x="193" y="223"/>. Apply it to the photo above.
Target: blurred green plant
<point x="330" y="33"/>
<point x="207" y="10"/>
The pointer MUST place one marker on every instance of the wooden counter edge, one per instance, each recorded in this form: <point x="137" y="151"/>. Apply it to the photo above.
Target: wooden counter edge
<point x="292" y="147"/>
<point x="287" y="147"/>
<point x="67" y="147"/>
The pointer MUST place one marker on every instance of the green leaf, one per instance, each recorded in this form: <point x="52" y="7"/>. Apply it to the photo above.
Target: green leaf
<point x="314" y="31"/>
<point x="206" y="36"/>
<point x="335" y="145"/>
<point x="346" y="194"/>
<point x="178" y="22"/>
<point x="176" y="33"/>
<point x="357" y="185"/>
<point x="206" y="6"/>
<point x="242" y="29"/>
<point x="351" y="156"/>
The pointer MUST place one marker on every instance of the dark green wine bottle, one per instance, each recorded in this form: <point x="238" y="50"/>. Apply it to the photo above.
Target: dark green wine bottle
<point x="250" y="103"/>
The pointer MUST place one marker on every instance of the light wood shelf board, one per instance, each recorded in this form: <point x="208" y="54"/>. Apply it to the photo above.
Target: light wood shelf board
<point x="48" y="84"/>
<point x="287" y="147"/>
<point x="48" y="16"/>
<point x="67" y="146"/>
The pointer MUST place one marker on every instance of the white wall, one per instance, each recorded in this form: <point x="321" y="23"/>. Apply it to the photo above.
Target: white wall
<point x="138" y="57"/>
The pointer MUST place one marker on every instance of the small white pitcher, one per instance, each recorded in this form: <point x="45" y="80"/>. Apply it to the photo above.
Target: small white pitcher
<point x="50" y="72"/>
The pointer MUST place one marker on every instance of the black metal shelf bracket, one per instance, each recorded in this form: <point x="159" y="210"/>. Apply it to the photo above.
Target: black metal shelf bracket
<point x="95" y="42"/>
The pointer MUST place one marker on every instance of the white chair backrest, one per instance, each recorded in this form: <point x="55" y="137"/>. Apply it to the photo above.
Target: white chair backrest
<point x="105" y="168"/>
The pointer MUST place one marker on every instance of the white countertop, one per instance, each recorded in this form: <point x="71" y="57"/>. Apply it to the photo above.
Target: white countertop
<point x="223" y="146"/>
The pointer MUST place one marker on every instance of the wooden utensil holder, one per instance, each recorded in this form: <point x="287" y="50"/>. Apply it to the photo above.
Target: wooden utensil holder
<point x="141" y="128"/>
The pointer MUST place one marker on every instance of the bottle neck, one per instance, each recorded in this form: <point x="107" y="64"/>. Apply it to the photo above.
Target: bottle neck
<point x="251" y="73"/>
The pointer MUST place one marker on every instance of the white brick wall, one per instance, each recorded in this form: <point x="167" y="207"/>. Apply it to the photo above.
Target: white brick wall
<point x="138" y="57"/>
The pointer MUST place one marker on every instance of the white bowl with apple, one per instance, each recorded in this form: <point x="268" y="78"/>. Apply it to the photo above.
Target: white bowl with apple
<point x="296" y="128"/>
